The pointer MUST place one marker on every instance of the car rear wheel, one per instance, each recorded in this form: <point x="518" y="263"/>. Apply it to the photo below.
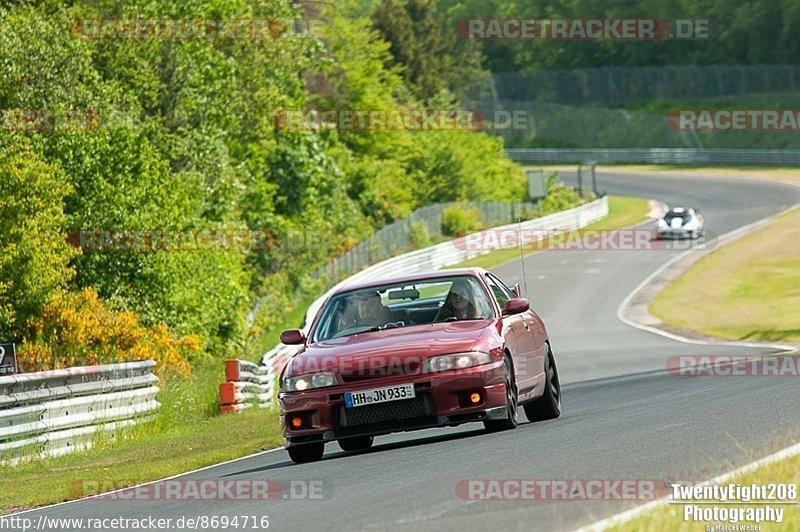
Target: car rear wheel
<point x="310" y="452"/>
<point x="510" y="422"/>
<point x="359" y="443"/>
<point x="548" y="406"/>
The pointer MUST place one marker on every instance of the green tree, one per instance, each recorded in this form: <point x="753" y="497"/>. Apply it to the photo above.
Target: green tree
<point x="34" y="253"/>
<point x="427" y="49"/>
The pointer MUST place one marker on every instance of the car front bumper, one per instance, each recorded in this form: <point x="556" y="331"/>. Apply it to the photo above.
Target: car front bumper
<point x="439" y="402"/>
<point x="677" y="233"/>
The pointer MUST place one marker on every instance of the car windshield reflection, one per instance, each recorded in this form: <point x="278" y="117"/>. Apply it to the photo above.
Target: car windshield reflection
<point x="393" y="306"/>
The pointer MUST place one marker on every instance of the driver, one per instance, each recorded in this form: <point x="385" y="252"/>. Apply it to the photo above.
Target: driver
<point x="366" y="309"/>
<point x="460" y="303"/>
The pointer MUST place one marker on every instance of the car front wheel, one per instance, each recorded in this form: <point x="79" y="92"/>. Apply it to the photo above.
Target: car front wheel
<point x="548" y="406"/>
<point x="510" y="422"/>
<point x="359" y="443"/>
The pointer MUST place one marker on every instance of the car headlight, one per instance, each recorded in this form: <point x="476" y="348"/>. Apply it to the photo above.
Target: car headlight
<point x="456" y="361"/>
<point x="300" y="383"/>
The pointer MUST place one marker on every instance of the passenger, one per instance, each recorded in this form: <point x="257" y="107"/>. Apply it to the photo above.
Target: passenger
<point x="460" y="303"/>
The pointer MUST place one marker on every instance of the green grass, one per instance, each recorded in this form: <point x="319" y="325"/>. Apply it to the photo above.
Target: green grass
<point x="139" y="455"/>
<point x="748" y="101"/>
<point x="749" y="290"/>
<point x="623" y="211"/>
<point x="671" y="517"/>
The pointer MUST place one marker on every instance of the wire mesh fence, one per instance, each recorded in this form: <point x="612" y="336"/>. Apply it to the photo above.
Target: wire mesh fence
<point x="536" y="124"/>
<point x="401" y="236"/>
<point x="582" y="108"/>
<point x="633" y="84"/>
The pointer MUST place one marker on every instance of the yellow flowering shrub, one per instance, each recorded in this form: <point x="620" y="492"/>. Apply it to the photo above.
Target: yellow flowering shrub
<point x="78" y="329"/>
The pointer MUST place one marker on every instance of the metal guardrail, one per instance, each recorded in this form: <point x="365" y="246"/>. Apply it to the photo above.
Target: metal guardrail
<point x="430" y="258"/>
<point x="246" y="385"/>
<point x="50" y="413"/>
<point x="690" y="156"/>
<point x="396" y="237"/>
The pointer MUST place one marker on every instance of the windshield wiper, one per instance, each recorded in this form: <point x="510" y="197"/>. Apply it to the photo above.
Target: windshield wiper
<point x="390" y="325"/>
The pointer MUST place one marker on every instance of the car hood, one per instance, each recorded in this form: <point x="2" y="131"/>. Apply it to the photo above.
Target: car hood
<point x="401" y="346"/>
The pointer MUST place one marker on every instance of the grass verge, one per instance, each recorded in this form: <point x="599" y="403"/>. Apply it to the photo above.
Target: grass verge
<point x="132" y="458"/>
<point x="748" y="290"/>
<point x="623" y="211"/>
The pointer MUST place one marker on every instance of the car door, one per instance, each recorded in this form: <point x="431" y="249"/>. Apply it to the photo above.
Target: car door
<point x="518" y="337"/>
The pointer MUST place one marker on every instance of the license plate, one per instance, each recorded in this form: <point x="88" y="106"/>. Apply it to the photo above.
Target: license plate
<point x="379" y="395"/>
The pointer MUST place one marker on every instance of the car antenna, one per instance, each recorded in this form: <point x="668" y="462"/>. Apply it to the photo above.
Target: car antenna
<point x="521" y="254"/>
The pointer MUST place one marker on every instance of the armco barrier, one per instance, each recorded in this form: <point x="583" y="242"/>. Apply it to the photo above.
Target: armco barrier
<point x="246" y="385"/>
<point x="430" y="258"/>
<point x="50" y="413"/>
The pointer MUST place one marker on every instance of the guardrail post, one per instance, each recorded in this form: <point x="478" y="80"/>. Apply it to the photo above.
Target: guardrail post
<point x="594" y="177"/>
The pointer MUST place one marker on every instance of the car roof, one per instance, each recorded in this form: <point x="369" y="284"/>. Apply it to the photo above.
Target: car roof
<point x="409" y="277"/>
<point x="681" y="210"/>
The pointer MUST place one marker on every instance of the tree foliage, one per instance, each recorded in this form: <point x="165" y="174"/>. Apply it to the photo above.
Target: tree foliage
<point x="185" y="137"/>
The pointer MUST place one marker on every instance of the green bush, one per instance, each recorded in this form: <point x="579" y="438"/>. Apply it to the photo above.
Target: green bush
<point x="420" y="237"/>
<point x="460" y="219"/>
<point x="560" y="197"/>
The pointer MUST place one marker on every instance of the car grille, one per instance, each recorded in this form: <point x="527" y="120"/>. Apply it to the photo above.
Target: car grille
<point x="407" y="368"/>
<point x="382" y="412"/>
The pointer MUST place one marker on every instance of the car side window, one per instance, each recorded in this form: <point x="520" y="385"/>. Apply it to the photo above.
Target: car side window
<point x="503" y="286"/>
<point x="501" y="293"/>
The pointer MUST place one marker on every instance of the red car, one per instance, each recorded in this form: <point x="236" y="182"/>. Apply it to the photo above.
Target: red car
<point x="413" y="352"/>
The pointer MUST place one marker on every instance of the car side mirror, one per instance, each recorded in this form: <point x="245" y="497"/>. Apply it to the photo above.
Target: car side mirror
<point x="515" y="306"/>
<point x="293" y="336"/>
<point x="517" y="290"/>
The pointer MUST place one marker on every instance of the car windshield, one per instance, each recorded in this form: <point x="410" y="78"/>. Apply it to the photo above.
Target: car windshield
<point x="684" y="216"/>
<point x="401" y="305"/>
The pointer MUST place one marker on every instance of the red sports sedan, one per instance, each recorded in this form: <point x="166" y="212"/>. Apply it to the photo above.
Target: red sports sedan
<point x="413" y="352"/>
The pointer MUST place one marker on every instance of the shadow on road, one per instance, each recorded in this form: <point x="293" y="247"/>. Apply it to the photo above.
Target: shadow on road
<point x="416" y="442"/>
